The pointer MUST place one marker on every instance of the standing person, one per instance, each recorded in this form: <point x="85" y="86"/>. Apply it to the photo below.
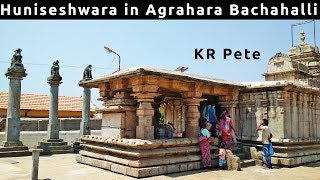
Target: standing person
<point x="209" y="113"/>
<point x="266" y="136"/>
<point x="222" y="156"/>
<point x="225" y="131"/>
<point x="229" y="123"/>
<point x="204" y="139"/>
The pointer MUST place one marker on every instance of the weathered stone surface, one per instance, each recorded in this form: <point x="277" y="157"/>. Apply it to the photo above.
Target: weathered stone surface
<point x="119" y="168"/>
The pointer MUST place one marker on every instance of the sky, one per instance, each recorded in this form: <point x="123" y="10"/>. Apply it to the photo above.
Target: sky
<point x="164" y="44"/>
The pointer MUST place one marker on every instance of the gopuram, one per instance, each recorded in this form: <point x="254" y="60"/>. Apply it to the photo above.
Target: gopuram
<point x="289" y="98"/>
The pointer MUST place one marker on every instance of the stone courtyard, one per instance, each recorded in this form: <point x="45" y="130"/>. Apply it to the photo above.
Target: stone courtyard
<point x="63" y="166"/>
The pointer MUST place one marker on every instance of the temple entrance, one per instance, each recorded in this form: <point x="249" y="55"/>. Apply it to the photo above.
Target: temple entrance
<point x="170" y="115"/>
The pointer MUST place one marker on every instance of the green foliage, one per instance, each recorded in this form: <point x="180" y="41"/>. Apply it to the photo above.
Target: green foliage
<point x="162" y="111"/>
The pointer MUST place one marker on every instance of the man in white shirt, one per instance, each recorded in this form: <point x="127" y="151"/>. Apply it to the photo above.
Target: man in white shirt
<point x="266" y="136"/>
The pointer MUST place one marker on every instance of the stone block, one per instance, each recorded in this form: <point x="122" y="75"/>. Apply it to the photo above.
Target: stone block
<point x="94" y="162"/>
<point x="145" y="132"/>
<point x="254" y="153"/>
<point x="173" y="168"/>
<point x="112" y="120"/>
<point x="119" y="168"/>
<point x="236" y="163"/>
<point x="112" y="132"/>
<point x="190" y="166"/>
<point x="163" y="169"/>
<point x="134" y="172"/>
<point x="197" y="165"/>
<point x="183" y="167"/>
<point x="147" y="172"/>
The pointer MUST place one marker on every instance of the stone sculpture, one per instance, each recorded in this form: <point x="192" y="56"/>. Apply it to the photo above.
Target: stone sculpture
<point x="87" y="75"/>
<point x="16" y="67"/>
<point x="55" y="76"/>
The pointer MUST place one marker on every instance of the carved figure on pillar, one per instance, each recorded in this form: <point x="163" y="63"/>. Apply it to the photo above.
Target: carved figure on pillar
<point x="16" y="69"/>
<point x="55" y="76"/>
<point x="87" y="75"/>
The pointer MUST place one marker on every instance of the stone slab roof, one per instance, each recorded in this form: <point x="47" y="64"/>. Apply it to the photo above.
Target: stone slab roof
<point x="42" y="102"/>
<point x="170" y="74"/>
<point x="282" y="83"/>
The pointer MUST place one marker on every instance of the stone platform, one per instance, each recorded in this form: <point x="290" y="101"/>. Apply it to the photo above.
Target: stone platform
<point x="144" y="158"/>
<point x="14" y="151"/>
<point x="54" y="146"/>
<point x="288" y="152"/>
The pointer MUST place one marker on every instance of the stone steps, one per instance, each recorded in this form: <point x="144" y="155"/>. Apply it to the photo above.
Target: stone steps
<point x="56" y="152"/>
<point x="53" y="148"/>
<point x="15" y="153"/>
<point x="52" y="143"/>
<point x="14" y="148"/>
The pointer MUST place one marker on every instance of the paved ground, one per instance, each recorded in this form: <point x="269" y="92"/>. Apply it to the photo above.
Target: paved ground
<point x="64" y="167"/>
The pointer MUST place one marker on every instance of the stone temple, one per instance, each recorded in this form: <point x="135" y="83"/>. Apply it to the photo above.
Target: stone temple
<point x="289" y="98"/>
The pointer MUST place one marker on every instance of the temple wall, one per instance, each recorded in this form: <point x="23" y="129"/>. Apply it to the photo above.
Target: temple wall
<point x="32" y="138"/>
<point x="291" y="115"/>
<point x="41" y="124"/>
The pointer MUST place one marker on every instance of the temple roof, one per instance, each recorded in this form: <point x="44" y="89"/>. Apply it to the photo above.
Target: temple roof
<point x="265" y="85"/>
<point x="170" y="74"/>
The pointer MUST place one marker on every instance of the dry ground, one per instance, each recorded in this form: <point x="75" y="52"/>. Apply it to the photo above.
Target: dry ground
<point x="64" y="167"/>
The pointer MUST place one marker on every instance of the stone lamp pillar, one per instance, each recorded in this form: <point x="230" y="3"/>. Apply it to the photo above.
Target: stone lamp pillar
<point x="54" y="144"/>
<point x="12" y="142"/>
<point x="54" y="125"/>
<point x="85" y="121"/>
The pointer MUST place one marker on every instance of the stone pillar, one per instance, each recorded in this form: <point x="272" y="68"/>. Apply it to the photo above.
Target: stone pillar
<point x="145" y="89"/>
<point x="15" y="74"/>
<point x="295" y="117"/>
<point x="54" y="145"/>
<point x="12" y="146"/>
<point x="145" y="112"/>
<point x="85" y="121"/>
<point x="54" y="125"/>
<point x="192" y="101"/>
<point x="35" y="163"/>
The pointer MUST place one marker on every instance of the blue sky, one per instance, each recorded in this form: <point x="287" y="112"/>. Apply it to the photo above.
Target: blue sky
<point x="159" y="43"/>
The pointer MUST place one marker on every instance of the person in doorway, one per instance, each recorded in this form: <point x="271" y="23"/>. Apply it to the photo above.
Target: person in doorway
<point x="204" y="138"/>
<point x="209" y="113"/>
<point x="266" y="136"/>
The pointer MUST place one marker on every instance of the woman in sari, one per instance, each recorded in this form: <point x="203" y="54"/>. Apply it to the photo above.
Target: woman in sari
<point x="204" y="139"/>
<point x="224" y="127"/>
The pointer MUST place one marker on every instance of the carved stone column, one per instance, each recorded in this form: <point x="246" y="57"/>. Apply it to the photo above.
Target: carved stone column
<point x="12" y="146"/>
<point x="145" y="112"/>
<point x="145" y="90"/>
<point x="192" y="101"/>
<point x="54" y="144"/>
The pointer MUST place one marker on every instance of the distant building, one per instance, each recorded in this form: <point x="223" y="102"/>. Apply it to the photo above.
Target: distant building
<point x="37" y="106"/>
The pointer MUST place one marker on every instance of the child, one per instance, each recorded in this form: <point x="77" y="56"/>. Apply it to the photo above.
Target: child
<point x="222" y="156"/>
